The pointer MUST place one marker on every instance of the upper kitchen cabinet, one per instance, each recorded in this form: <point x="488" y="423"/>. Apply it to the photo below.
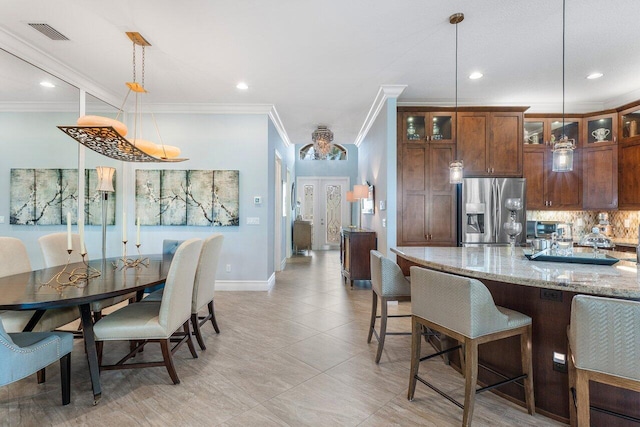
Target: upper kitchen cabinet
<point x="434" y="127"/>
<point x="629" y="157"/>
<point x="543" y="130"/>
<point x="490" y="142"/>
<point x="601" y="129"/>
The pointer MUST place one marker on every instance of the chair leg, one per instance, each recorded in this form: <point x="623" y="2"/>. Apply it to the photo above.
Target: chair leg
<point x="196" y="330"/>
<point x="416" y="342"/>
<point x="383" y="327"/>
<point x="97" y="315"/>
<point x="212" y="313"/>
<point x="374" y="311"/>
<point x="527" y="368"/>
<point x="187" y="332"/>
<point x="573" y="422"/>
<point x="41" y="376"/>
<point x="582" y="397"/>
<point x="99" y="346"/>
<point x="65" y="378"/>
<point x="168" y="360"/>
<point x="471" y="376"/>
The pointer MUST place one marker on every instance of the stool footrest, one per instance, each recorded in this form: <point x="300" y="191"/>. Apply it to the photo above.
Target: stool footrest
<point x="615" y="414"/>
<point x="498" y="384"/>
<point x="440" y="392"/>
<point x="422" y="359"/>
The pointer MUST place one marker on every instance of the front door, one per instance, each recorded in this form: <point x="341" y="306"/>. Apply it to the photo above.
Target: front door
<point x="323" y="202"/>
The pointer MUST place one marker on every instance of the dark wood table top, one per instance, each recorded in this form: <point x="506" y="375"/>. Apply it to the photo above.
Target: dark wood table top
<point x="27" y="291"/>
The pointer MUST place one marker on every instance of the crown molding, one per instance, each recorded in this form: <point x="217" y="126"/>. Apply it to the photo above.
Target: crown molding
<point x="385" y="92"/>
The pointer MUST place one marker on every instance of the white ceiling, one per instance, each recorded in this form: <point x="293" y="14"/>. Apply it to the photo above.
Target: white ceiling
<point x="323" y="62"/>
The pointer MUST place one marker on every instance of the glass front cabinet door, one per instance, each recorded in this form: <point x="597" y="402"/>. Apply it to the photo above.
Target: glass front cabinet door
<point x="630" y="124"/>
<point x="428" y="127"/>
<point x="601" y="129"/>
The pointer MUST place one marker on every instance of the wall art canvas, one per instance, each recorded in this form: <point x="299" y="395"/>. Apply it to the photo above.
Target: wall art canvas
<point x="44" y="196"/>
<point x="188" y="197"/>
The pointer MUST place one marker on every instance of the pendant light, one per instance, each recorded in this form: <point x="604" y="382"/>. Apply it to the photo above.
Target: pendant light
<point x="456" y="167"/>
<point x="107" y="136"/>
<point x="563" y="148"/>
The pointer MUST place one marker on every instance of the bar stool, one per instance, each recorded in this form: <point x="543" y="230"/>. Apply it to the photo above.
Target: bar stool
<point x="389" y="284"/>
<point x="604" y="346"/>
<point x="463" y="309"/>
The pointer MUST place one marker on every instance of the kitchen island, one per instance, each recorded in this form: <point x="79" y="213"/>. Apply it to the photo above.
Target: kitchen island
<point x="543" y="291"/>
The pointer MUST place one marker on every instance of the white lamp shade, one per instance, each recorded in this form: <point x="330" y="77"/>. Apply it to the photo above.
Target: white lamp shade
<point x="361" y="191"/>
<point x="105" y="178"/>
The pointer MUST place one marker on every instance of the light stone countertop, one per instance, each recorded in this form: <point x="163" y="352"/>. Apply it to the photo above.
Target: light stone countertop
<point x="496" y="263"/>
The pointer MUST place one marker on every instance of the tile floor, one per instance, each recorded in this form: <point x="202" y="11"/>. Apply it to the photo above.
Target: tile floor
<point x="294" y="356"/>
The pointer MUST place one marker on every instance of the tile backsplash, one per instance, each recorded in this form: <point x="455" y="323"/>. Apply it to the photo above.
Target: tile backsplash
<point x="590" y="219"/>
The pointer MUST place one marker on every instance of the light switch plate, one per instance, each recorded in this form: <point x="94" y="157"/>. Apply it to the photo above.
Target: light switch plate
<point x="257" y="200"/>
<point x="383" y="205"/>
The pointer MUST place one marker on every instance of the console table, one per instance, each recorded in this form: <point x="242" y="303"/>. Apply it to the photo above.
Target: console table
<point x="355" y="245"/>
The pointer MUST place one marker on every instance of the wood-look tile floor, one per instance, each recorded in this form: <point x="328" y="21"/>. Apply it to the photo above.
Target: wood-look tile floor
<point x="294" y="356"/>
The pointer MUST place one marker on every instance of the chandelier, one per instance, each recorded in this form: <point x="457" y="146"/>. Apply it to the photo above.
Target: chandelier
<point x="107" y="136"/>
<point x="322" y="145"/>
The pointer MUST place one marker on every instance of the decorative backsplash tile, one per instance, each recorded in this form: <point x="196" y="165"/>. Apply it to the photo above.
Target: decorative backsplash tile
<point x="590" y="219"/>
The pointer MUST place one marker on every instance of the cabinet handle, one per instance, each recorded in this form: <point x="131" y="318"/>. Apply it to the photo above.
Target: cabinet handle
<point x="488" y="170"/>
<point x="426" y="137"/>
<point x="550" y="202"/>
<point x="546" y="203"/>
<point x="493" y="170"/>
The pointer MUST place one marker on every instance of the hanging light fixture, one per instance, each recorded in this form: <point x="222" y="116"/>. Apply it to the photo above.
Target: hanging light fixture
<point x="563" y="148"/>
<point x="456" y="167"/>
<point x="322" y="145"/>
<point x="107" y="136"/>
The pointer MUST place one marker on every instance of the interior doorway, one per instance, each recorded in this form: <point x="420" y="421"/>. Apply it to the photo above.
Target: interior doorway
<point x="323" y="202"/>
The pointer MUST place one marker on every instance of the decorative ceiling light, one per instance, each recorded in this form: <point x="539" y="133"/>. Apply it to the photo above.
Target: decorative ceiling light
<point x="456" y="167"/>
<point x="107" y="136"/>
<point x="322" y="145"/>
<point x="563" y="148"/>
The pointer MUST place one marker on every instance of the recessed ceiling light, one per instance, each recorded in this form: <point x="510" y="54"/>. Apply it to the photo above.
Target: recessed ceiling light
<point x="475" y="75"/>
<point x="594" y="76"/>
<point x="47" y="84"/>
<point x="242" y="86"/>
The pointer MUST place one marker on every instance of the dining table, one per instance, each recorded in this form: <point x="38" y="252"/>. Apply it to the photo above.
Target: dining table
<point x="48" y="288"/>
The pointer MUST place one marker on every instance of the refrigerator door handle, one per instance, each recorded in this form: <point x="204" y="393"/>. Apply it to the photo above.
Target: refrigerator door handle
<point x="498" y="210"/>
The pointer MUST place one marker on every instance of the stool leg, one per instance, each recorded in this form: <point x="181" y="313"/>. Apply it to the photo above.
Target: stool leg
<point x="416" y="342"/>
<point x="527" y="368"/>
<point x="374" y="311"/>
<point x="582" y="397"/>
<point x="383" y="327"/>
<point x="471" y="376"/>
<point x="572" y="386"/>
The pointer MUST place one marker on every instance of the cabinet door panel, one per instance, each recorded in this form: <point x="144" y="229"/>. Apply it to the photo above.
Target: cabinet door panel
<point x="472" y="143"/>
<point x="565" y="188"/>
<point x="414" y="168"/>
<point x="439" y="159"/>
<point x="414" y="219"/>
<point x="533" y="171"/>
<point x="505" y="155"/>
<point x="628" y="176"/>
<point x="442" y="220"/>
<point x="600" y="177"/>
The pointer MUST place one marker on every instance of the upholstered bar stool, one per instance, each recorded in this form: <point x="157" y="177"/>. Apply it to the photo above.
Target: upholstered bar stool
<point x="463" y="309"/>
<point x="389" y="284"/>
<point x="604" y="346"/>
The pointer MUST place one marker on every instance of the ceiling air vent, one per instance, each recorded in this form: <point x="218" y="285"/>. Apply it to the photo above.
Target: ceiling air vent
<point x="49" y="31"/>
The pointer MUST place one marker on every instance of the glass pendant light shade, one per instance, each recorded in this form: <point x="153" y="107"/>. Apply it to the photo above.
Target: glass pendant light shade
<point x="563" y="156"/>
<point x="456" y="170"/>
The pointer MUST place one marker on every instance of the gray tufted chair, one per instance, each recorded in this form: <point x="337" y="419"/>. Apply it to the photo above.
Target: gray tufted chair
<point x="25" y="353"/>
<point x="604" y="346"/>
<point x="388" y="284"/>
<point x="463" y="309"/>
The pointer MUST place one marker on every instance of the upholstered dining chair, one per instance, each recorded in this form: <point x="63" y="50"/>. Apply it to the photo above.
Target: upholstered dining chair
<point x="463" y="309"/>
<point x="145" y="322"/>
<point x="604" y="347"/>
<point x="26" y="353"/>
<point x="388" y="284"/>
<point x="15" y="260"/>
<point x="203" y="287"/>
<point x="54" y="252"/>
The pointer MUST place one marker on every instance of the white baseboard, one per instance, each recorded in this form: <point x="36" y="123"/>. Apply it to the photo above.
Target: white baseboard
<point x="246" y="285"/>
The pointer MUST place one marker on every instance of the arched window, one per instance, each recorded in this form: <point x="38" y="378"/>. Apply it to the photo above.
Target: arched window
<point x="337" y="152"/>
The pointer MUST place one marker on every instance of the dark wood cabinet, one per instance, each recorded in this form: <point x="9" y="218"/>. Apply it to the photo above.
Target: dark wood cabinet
<point x="434" y="126"/>
<point x="355" y="246"/>
<point x="600" y="128"/>
<point x="600" y="177"/>
<point x="427" y="201"/>
<point x="628" y="176"/>
<point x="490" y="142"/>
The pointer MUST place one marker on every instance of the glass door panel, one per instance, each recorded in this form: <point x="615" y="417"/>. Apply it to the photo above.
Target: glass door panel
<point x="631" y="124"/>
<point x="441" y="128"/>
<point x="571" y="130"/>
<point x="415" y="128"/>
<point x="333" y="213"/>
<point x="599" y="130"/>
<point x="534" y="132"/>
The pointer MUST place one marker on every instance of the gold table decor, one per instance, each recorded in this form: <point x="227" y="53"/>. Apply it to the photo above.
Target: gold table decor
<point x="78" y="277"/>
<point x="130" y="262"/>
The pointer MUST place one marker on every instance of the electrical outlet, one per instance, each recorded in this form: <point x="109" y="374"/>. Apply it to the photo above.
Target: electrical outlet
<point x="627" y="223"/>
<point x="228" y="268"/>
<point x="559" y="362"/>
<point x="253" y="220"/>
<point x="551" y="295"/>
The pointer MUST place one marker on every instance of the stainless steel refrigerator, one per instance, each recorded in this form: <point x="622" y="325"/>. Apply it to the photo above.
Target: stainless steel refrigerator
<point x="482" y="211"/>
